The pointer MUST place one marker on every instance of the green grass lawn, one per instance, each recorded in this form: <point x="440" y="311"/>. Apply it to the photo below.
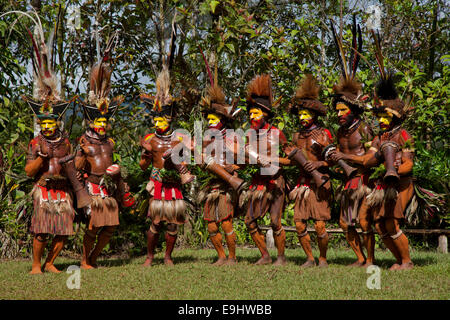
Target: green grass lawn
<point x="193" y="277"/>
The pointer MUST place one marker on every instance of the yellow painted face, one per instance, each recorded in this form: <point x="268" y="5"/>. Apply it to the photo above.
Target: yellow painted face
<point x="161" y="124"/>
<point x="256" y="114"/>
<point x="48" y="127"/>
<point x="342" y="109"/>
<point x="385" y="119"/>
<point x="213" y="119"/>
<point x="100" y="125"/>
<point x="306" y="117"/>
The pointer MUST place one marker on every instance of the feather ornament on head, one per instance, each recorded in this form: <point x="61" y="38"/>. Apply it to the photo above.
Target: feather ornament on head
<point x="385" y="95"/>
<point x="259" y="93"/>
<point x="215" y="102"/>
<point x="306" y="96"/>
<point x="163" y="103"/>
<point x="349" y="90"/>
<point x="46" y="101"/>
<point x="99" y="103"/>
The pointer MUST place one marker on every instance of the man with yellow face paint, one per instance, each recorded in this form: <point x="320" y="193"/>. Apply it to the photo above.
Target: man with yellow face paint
<point x="53" y="212"/>
<point x="354" y="138"/>
<point x="166" y="203"/>
<point x="313" y="190"/>
<point x="393" y="147"/>
<point x="266" y="193"/>
<point x="220" y="195"/>
<point x="102" y="178"/>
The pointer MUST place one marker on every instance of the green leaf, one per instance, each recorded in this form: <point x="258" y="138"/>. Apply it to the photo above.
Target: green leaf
<point x="231" y="47"/>
<point x="213" y="5"/>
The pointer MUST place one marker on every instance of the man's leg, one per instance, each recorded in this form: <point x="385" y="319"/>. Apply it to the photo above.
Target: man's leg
<point x="305" y="242"/>
<point x="171" y="239"/>
<point x="388" y="242"/>
<point x="230" y="237"/>
<point x="258" y="238"/>
<point x="279" y="235"/>
<point x="366" y="221"/>
<point x="216" y="239"/>
<point x="39" y="244"/>
<point x="353" y="240"/>
<point x="322" y="241"/>
<point x="400" y="242"/>
<point x="152" y="241"/>
<point x="88" y="244"/>
<point x="103" y="238"/>
<point x="55" y="248"/>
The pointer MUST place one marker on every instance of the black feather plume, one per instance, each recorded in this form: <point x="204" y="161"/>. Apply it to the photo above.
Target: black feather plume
<point x="385" y="88"/>
<point x="339" y="51"/>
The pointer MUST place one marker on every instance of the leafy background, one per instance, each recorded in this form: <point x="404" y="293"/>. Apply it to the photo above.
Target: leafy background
<point x="240" y="39"/>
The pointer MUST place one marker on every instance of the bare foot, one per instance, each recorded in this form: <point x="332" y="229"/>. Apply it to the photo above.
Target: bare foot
<point x="308" y="264"/>
<point x="36" y="269"/>
<point x="86" y="266"/>
<point x="231" y="262"/>
<point x="220" y="262"/>
<point x="356" y="264"/>
<point x="395" y="266"/>
<point x="281" y="261"/>
<point x="266" y="259"/>
<point x="148" y="262"/>
<point x="51" y="268"/>
<point x="368" y="264"/>
<point x="323" y="264"/>
<point x="168" y="261"/>
<point x="406" y="266"/>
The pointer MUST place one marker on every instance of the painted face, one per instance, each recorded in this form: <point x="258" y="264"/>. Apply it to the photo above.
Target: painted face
<point x="306" y="117"/>
<point x="256" y="118"/>
<point x="48" y="127"/>
<point x="344" y="113"/>
<point x="161" y="124"/>
<point x="100" y="125"/>
<point x="214" y="121"/>
<point x="385" y="120"/>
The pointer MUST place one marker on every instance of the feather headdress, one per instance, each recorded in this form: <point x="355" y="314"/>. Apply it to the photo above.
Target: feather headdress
<point x="349" y="89"/>
<point x="259" y="93"/>
<point x="385" y="95"/>
<point x="98" y="103"/>
<point x="46" y="101"/>
<point x="306" y="96"/>
<point x="162" y="104"/>
<point x="214" y="101"/>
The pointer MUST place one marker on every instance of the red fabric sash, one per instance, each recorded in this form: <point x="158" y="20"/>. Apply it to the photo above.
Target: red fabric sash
<point x="52" y="193"/>
<point x="354" y="182"/>
<point x="167" y="188"/>
<point x="96" y="190"/>
<point x="302" y="181"/>
<point x="259" y="183"/>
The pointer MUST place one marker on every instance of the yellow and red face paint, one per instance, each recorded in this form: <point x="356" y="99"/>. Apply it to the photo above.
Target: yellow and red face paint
<point x="385" y="120"/>
<point x="99" y="125"/>
<point x="161" y="124"/>
<point x="306" y="117"/>
<point x="48" y="127"/>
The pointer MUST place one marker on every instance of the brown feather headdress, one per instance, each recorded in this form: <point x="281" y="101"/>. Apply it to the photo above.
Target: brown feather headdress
<point x="259" y="93"/>
<point x="98" y="103"/>
<point x="306" y="96"/>
<point x="163" y="103"/>
<point x="215" y="102"/>
<point x="349" y="90"/>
